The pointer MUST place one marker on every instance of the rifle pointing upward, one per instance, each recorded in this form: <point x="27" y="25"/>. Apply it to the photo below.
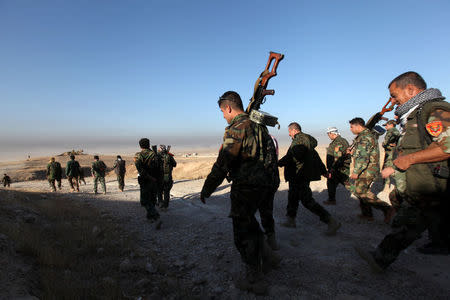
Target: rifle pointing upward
<point x="260" y="92"/>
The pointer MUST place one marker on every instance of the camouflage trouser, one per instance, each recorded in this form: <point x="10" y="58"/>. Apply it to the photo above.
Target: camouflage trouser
<point x="396" y="199"/>
<point x="121" y="181"/>
<point x="98" y="178"/>
<point x="248" y="236"/>
<point x="81" y="179"/>
<point x="52" y="184"/>
<point x="266" y="212"/>
<point x="388" y="162"/>
<point x="334" y="181"/>
<point x="73" y="181"/>
<point x="147" y="199"/>
<point x="300" y="191"/>
<point x="407" y="226"/>
<point x="367" y="199"/>
<point x="6" y="184"/>
<point x="166" y="187"/>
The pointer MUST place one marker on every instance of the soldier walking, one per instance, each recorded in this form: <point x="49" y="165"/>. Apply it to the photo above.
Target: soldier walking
<point x="98" y="172"/>
<point x="54" y="173"/>
<point x="6" y="180"/>
<point x="120" y="170"/>
<point x="72" y="173"/>
<point x="338" y="164"/>
<point x="167" y="165"/>
<point x="244" y="159"/>
<point x="366" y="169"/>
<point x="147" y="167"/>
<point x="389" y="144"/>
<point x="423" y="162"/>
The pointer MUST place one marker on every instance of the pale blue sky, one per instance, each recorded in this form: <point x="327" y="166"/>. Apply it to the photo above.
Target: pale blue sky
<point x="106" y="71"/>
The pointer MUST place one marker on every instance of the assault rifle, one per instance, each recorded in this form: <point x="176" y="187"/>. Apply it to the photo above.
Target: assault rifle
<point x="260" y="92"/>
<point x="370" y="124"/>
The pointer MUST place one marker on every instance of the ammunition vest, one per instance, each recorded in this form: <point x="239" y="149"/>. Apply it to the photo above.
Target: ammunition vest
<point x="420" y="182"/>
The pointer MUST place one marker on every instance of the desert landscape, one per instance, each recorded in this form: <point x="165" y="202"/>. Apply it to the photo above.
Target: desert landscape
<point x="192" y="256"/>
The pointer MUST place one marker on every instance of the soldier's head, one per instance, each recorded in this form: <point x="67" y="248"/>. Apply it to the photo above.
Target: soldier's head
<point x="294" y="128"/>
<point x="52" y="159"/>
<point x="96" y="157"/>
<point x="389" y="124"/>
<point x="144" y="143"/>
<point x="230" y="104"/>
<point x="357" y="125"/>
<point x="332" y="132"/>
<point x="72" y="157"/>
<point x="119" y="157"/>
<point x="405" y="86"/>
<point x="162" y="148"/>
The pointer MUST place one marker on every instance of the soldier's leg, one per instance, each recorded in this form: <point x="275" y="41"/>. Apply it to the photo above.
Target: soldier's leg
<point x="331" y="186"/>
<point x="360" y="189"/>
<point x="77" y="184"/>
<point x="95" y="183"/>
<point x="308" y="201"/>
<point x="407" y="226"/>
<point x="167" y="186"/>
<point x="59" y="183"/>
<point x="122" y="182"/>
<point x="70" y="179"/>
<point x="293" y="200"/>
<point x="52" y="184"/>
<point x="102" y="181"/>
<point x="266" y="213"/>
<point x="148" y="200"/>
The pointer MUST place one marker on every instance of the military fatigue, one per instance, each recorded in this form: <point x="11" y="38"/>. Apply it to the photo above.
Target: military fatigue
<point x="338" y="165"/>
<point x="120" y="170"/>
<point x="6" y="180"/>
<point x="81" y="177"/>
<point x="391" y="137"/>
<point x="167" y="165"/>
<point x="72" y="173"/>
<point x="54" y="173"/>
<point x="299" y="170"/>
<point x="246" y="159"/>
<point x="425" y="197"/>
<point x="98" y="170"/>
<point x="367" y="166"/>
<point x="147" y="168"/>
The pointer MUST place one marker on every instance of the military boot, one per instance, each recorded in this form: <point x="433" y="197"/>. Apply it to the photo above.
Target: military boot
<point x="270" y="260"/>
<point x="333" y="226"/>
<point x="290" y="222"/>
<point x="272" y="241"/>
<point x="252" y="280"/>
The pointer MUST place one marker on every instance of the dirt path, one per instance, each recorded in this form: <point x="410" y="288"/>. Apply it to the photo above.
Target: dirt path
<point x="196" y="241"/>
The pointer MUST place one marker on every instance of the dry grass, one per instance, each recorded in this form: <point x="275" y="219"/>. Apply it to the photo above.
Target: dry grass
<point x="72" y="261"/>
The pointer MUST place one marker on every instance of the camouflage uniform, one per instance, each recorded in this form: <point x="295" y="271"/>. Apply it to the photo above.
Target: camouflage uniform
<point x="299" y="170"/>
<point x="120" y="170"/>
<point x="148" y="170"/>
<point x="54" y="173"/>
<point x="167" y="165"/>
<point x="72" y="173"/>
<point x="391" y="137"/>
<point x="247" y="157"/>
<point x="425" y="197"/>
<point x="367" y="166"/>
<point x="338" y="167"/>
<point x="6" y="181"/>
<point x="98" y="170"/>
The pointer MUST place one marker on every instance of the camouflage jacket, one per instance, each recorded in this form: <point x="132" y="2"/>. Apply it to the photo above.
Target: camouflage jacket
<point x="6" y="179"/>
<point x="335" y="150"/>
<point x="299" y="161"/>
<point x="167" y="165"/>
<point x="72" y="168"/>
<point x="366" y="155"/>
<point x="119" y="167"/>
<point x="247" y="157"/>
<point x="391" y="137"/>
<point x="54" y="170"/>
<point x="147" y="165"/>
<point x="98" y="168"/>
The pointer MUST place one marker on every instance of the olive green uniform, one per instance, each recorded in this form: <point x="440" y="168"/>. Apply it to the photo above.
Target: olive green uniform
<point x="167" y="165"/>
<point x="72" y="173"/>
<point x="148" y="170"/>
<point x="98" y="170"/>
<point x="6" y="180"/>
<point x="54" y="173"/>
<point x="426" y="197"/>
<point x="247" y="158"/>
<point x="367" y="166"/>
<point x="338" y="165"/>
<point x="299" y="170"/>
<point x="120" y="170"/>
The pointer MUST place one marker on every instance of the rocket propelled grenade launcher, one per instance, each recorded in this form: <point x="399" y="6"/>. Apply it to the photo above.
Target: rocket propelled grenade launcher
<point x="260" y="92"/>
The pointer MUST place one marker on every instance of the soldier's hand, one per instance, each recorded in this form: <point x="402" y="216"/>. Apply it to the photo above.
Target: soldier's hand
<point x="386" y="172"/>
<point x="403" y="162"/>
<point x="354" y="176"/>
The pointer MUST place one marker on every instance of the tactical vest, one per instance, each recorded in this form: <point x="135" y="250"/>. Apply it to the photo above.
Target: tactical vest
<point x="420" y="182"/>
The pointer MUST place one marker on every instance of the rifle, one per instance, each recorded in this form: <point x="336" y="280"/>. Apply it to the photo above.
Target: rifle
<point x="260" y="92"/>
<point x="370" y="125"/>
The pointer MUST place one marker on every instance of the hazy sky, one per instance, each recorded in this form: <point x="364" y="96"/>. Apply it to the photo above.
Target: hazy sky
<point x="117" y="70"/>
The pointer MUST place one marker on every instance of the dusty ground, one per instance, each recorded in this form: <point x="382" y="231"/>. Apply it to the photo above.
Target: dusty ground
<point x="196" y="240"/>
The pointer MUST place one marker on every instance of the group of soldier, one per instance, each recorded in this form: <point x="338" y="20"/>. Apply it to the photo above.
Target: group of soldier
<point x="416" y="162"/>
